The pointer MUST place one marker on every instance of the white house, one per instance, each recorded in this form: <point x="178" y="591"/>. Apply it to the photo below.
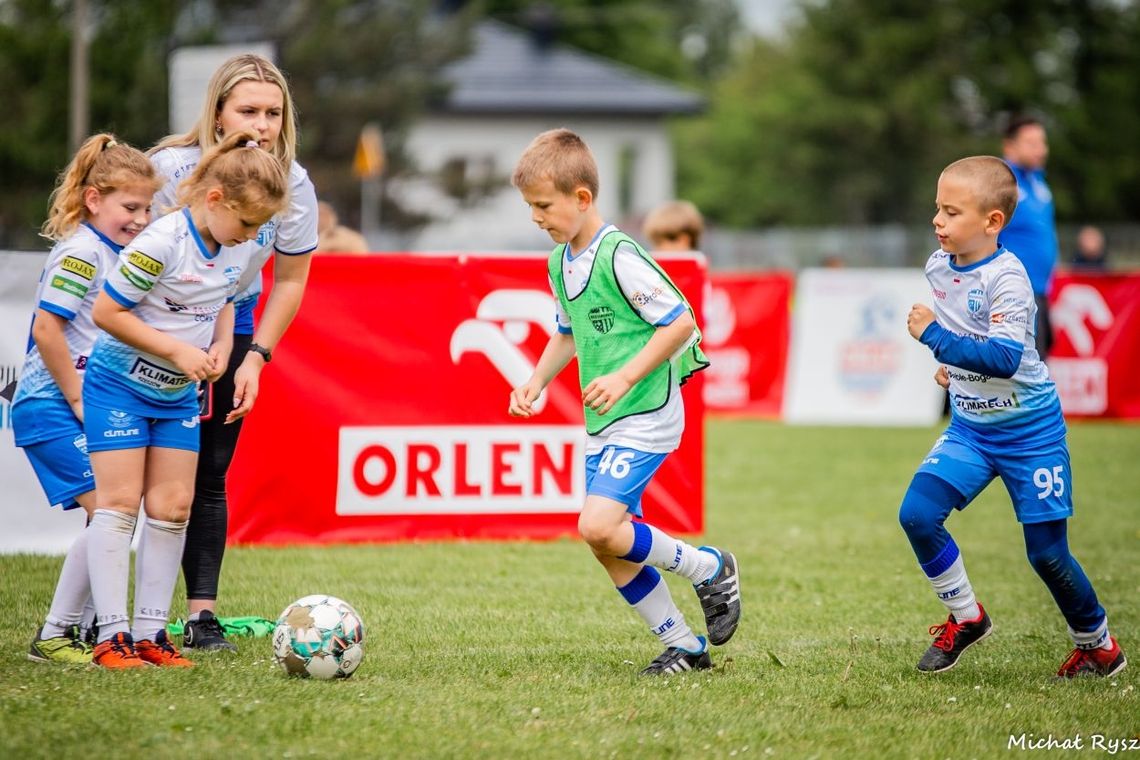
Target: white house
<point x="508" y="90"/>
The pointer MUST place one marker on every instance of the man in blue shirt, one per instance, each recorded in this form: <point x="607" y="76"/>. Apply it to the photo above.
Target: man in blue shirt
<point x="1032" y="234"/>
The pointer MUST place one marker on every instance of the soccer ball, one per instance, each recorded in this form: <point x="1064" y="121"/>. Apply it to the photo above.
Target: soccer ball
<point x="319" y="636"/>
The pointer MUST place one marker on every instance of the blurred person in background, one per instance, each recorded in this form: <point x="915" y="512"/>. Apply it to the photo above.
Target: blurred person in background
<point x="674" y="226"/>
<point x="1032" y="233"/>
<point x="1091" y="253"/>
<point x="334" y="237"/>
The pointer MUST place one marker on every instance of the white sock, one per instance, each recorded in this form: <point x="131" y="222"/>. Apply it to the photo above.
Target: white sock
<point x="1091" y="639"/>
<point x="109" y="566"/>
<point x="954" y="590"/>
<point x="657" y="548"/>
<point x="72" y="590"/>
<point x="156" y="572"/>
<point x="87" y="620"/>
<point x="648" y="594"/>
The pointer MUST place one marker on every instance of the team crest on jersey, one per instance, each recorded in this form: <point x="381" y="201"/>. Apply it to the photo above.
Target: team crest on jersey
<point x="974" y="301"/>
<point x="267" y="233"/>
<point x="174" y="305"/>
<point x="232" y="274"/>
<point x="602" y="318"/>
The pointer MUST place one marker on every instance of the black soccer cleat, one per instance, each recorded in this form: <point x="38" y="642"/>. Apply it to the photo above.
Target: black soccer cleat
<point x="677" y="660"/>
<point x="720" y="598"/>
<point x="951" y="639"/>
<point x="205" y="634"/>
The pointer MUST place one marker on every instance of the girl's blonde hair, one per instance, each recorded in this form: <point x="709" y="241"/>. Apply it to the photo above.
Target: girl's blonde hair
<point x="241" y="68"/>
<point x="107" y="165"/>
<point x="253" y="181"/>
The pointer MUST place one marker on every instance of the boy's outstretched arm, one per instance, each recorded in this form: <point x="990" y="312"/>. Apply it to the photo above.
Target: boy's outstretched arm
<point x="557" y="354"/>
<point x="606" y="390"/>
<point x="998" y="357"/>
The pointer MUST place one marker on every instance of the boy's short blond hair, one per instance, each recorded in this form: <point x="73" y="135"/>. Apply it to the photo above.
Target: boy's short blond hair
<point x="672" y="219"/>
<point x="560" y="156"/>
<point x="992" y="181"/>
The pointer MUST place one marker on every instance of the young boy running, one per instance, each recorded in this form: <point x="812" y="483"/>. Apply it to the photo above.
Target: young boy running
<point x="636" y="341"/>
<point x="1006" y="422"/>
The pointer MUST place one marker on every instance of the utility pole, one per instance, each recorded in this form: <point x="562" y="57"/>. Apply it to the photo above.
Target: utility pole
<point x="80" y="73"/>
<point x="368" y="165"/>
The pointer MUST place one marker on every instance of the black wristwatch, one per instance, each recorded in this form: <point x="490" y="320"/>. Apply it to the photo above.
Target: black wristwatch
<point x="266" y="354"/>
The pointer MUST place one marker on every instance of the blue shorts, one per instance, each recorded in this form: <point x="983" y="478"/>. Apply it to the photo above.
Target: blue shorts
<point x="112" y="430"/>
<point x="1039" y="479"/>
<point x="62" y="466"/>
<point x="621" y="474"/>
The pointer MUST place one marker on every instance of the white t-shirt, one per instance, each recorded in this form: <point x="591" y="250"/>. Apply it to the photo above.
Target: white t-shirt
<point x="173" y="283"/>
<point x="659" y="431"/>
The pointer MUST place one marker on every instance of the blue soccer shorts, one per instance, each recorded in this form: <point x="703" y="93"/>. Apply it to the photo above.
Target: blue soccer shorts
<point x="63" y="467"/>
<point x="621" y="474"/>
<point x="1038" y="477"/>
<point x="113" y="430"/>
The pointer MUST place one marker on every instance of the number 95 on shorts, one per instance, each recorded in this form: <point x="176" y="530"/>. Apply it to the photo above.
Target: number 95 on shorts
<point x="621" y="474"/>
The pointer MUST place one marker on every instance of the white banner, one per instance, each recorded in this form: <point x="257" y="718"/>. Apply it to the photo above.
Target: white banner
<point x="30" y="524"/>
<point x="852" y="360"/>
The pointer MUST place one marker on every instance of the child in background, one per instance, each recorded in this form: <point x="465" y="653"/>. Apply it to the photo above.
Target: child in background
<point x="102" y="201"/>
<point x="674" y="226"/>
<point x="167" y="314"/>
<point x="636" y="340"/>
<point x="1005" y="422"/>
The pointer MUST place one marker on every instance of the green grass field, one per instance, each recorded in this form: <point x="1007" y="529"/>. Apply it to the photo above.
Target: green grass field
<point x="524" y="650"/>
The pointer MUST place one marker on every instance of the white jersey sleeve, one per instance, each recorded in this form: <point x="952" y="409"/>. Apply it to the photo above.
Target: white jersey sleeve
<point x="644" y="287"/>
<point x="297" y="230"/>
<point x="74" y="267"/>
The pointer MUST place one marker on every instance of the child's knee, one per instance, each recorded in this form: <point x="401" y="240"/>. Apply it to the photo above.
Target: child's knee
<point x="926" y="504"/>
<point x="596" y="532"/>
<point x="1051" y="562"/>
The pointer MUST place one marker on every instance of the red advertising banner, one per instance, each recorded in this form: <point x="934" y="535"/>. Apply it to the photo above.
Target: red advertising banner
<point x="1095" y="359"/>
<point x="746" y="337"/>
<point x="384" y="414"/>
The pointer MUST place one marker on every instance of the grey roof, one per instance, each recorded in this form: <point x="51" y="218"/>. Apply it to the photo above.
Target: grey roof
<point x="507" y="72"/>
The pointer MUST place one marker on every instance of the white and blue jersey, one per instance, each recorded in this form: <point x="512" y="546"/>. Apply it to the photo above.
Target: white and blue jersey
<point x="172" y="282"/>
<point x="1032" y="233"/>
<point x="984" y="332"/>
<point x="293" y="232"/>
<point x="72" y="277"/>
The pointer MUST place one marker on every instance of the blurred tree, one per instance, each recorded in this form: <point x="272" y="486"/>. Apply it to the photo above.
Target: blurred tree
<point x="128" y="95"/>
<point x="850" y="118"/>
<point x="349" y="62"/>
<point x="684" y="40"/>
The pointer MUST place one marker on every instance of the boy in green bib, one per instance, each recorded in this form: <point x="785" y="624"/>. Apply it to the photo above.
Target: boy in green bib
<point x="636" y="340"/>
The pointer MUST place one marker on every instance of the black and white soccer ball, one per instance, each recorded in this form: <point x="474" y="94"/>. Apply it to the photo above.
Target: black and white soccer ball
<point x="319" y="636"/>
